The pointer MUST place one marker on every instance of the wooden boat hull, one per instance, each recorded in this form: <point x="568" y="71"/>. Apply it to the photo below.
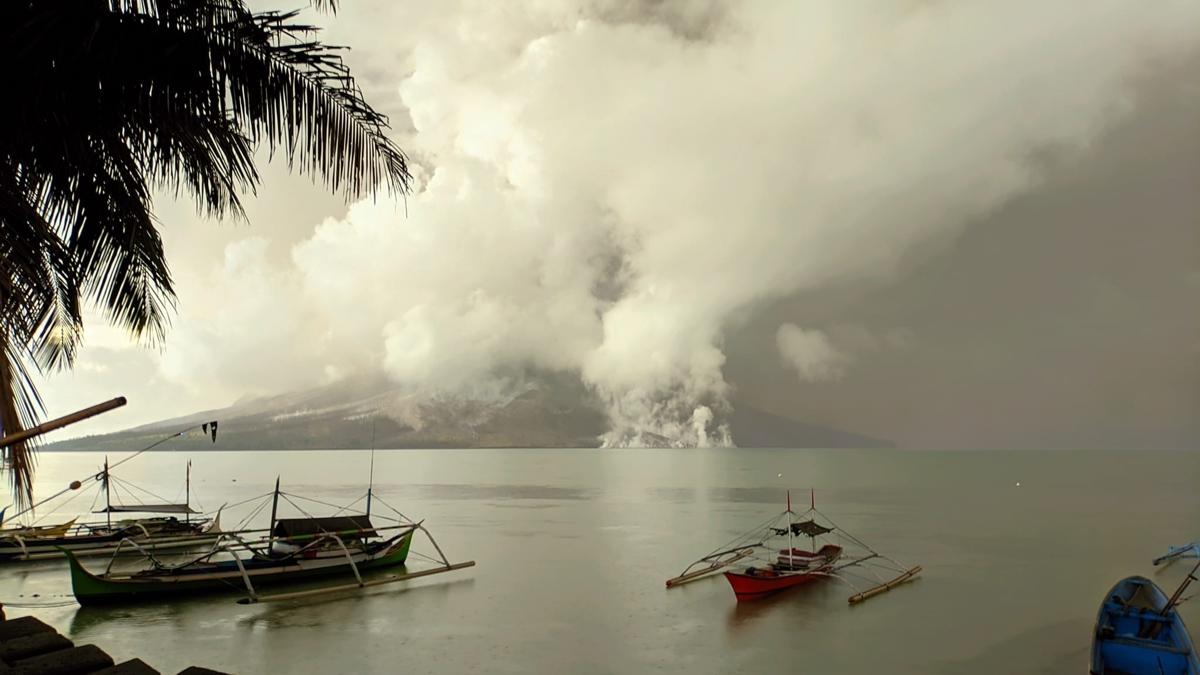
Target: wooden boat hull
<point x="793" y="567"/>
<point x="93" y="589"/>
<point x="754" y="586"/>
<point x="1132" y="635"/>
<point x="37" y="531"/>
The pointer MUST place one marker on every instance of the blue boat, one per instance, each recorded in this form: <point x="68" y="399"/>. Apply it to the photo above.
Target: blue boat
<point x="1139" y="631"/>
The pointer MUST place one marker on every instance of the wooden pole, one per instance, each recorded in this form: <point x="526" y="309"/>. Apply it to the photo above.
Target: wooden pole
<point x="107" y="495"/>
<point x="1174" y="600"/>
<point x="61" y="422"/>
<point x="790" y="549"/>
<point x="371" y="473"/>
<point x="274" y="510"/>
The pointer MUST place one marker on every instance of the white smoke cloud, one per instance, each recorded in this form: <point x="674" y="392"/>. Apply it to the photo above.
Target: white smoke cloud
<point x="606" y="191"/>
<point x="811" y="353"/>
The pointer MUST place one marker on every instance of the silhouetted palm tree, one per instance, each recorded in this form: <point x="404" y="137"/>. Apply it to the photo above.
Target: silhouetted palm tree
<point x="106" y="101"/>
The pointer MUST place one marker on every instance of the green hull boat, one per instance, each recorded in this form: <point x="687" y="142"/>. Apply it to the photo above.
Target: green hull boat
<point x="227" y="575"/>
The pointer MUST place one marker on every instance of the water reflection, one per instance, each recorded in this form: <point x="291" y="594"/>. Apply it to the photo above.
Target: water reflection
<point x="90" y="620"/>
<point x="797" y="608"/>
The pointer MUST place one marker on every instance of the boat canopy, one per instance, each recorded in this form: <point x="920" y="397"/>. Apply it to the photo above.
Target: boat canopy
<point x="346" y="527"/>
<point x="147" y="508"/>
<point x="811" y="528"/>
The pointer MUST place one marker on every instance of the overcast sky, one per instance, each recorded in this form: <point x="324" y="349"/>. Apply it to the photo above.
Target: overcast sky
<point x="963" y="225"/>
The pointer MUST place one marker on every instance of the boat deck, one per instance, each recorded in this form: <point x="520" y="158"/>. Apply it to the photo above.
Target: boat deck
<point x="1134" y="635"/>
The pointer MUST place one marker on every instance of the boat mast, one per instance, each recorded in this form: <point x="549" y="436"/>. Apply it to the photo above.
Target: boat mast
<point x="371" y="473"/>
<point x="187" y="494"/>
<point x="812" y="506"/>
<point x="107" y="495"/>
<point x="274" y="509"/>
<point x="789" y="502"/>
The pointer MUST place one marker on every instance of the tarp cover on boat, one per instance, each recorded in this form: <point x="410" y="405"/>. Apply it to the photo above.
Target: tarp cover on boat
<point x="147" y="508"/>
<point x="346" y="527"/>
<point x="810" y="528"/>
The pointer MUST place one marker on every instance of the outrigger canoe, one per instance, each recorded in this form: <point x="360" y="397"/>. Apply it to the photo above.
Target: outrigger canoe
<point x="1138" y="630"/>
<point x="334" y="553"/>
<point x="766" y="560"/>
<point x="296" y="549"/>
<point x="159" y="534"/>
<point x="167" y="527"/>
<point x="790" y="569"/>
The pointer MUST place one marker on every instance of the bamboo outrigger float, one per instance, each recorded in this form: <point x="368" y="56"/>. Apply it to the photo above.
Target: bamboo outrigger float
<point x="1174" y="553"/>
<point x="778" y="564"/>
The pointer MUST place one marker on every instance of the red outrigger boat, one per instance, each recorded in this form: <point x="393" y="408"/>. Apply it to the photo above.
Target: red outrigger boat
<point x="798" y="567"/>
<point x="778" y="564"/>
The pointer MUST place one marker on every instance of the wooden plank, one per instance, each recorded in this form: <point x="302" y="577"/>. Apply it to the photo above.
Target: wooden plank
<point x="351" y="587"/>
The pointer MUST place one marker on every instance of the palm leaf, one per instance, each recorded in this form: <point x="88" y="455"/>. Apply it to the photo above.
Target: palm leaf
<point x="122" y="97"/>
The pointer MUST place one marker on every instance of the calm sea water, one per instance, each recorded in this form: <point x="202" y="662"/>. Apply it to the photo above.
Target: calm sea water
<point x="573" y="547"/>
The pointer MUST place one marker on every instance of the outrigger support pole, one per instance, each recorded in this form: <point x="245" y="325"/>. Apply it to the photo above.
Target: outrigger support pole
<point x="246" y="578"/>
<point x="445" y="560"/>
<point x="1174" y="601"/>
<point x="349" y="558"/>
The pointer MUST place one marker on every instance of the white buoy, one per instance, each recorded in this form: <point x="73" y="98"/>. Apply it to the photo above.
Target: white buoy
<point x="781" y="475"/>
<point x="1018" y="483"/>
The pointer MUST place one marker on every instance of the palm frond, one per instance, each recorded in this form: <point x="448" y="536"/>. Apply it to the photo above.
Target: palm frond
<point x="20" y="406"/>
<point x="122" y="97"/>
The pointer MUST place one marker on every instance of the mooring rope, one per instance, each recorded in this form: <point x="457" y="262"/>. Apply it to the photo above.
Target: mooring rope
<point x="318" y="501"/>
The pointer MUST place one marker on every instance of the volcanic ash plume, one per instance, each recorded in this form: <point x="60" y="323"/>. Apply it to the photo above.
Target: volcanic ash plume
<point x="606" y="191"/>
